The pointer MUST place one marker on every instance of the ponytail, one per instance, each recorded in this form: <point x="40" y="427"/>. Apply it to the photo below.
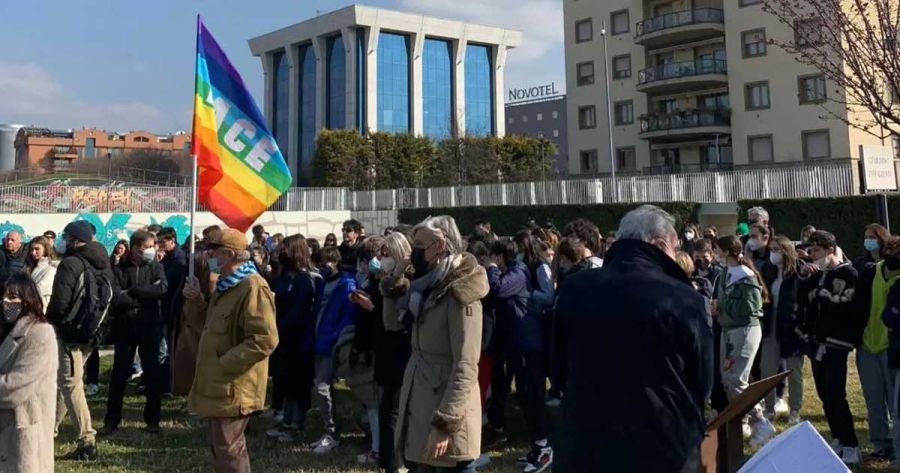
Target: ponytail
<point x="759" y="279"/>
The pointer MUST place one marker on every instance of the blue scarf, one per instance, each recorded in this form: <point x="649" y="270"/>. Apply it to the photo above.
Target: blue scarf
<point x="233" y="279"/>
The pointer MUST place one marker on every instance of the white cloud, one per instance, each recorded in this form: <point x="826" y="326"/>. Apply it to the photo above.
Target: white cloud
<point x="30" y="95"/>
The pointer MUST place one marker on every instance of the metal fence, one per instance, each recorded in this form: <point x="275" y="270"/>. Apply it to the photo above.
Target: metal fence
<point x="832" y="180"/>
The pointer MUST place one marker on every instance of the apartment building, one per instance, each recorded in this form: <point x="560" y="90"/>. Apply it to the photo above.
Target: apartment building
<point x="695" y="86"/>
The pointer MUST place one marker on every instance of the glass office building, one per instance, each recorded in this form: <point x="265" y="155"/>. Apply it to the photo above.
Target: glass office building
<point x="336" y="100"/>
<point x="393" y="83"/>
<point x="307" y="98"/>
<point x="437" y="89"/>
<point x="479" y="90"/>
<point x="281" y="97"/>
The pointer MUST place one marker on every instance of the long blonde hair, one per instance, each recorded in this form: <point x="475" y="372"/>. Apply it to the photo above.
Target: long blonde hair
<point x="398" y="247"/>
<point x="48" y="251"/>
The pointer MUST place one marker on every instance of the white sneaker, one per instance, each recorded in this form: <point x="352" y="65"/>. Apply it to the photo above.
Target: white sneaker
<point x="553" y="402"/>
<point x="326" y="445"/>
<point x="850" y="455"/>
<point x="781" y="407"/>
<point x="748" y="432"/>
<point x="482" y="461"/>
<point x="794" y="418"/>
<point x="763" y="431"/>
<point x="91" y="390"/>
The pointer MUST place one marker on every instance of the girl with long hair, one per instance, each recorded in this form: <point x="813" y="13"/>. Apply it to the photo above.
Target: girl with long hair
<point x="40" y="263"/>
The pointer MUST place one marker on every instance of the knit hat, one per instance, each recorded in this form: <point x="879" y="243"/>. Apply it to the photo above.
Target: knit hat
<point x="742" y="229"/>
<point x="80" y="230"/>
<point x="232" y="239"/>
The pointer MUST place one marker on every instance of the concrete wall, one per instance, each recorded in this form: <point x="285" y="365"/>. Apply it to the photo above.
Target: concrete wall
<point x="375" y="221"/>
<point x="112" y="227"/>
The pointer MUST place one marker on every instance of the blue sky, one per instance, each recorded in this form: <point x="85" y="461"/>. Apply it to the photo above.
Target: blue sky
<point x="126" y="65"/>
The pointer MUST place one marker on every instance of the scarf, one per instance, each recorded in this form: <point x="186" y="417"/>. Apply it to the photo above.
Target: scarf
<point x="233" y="279"/>
<point x="419" y="288"/>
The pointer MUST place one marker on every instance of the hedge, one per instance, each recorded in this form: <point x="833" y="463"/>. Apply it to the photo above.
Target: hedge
<point x="508" y="220"/>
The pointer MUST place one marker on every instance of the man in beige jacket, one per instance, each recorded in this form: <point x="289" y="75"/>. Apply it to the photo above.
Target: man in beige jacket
<point x="232" y="360"/>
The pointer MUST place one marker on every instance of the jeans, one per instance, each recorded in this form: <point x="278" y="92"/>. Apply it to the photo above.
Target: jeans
<point x="829" y="367"/>
<point x="228" y="444"/>
<point x="877" y="381"/>
<point x="388" y="410"/>
<point x="70" y="396"/>
<point x="461" y="467"/>
<point x="739" y="347"/>
<point x="771" y="364"/>
<point x="145" y="338"/>
<point x="325" y="393"/>
<point x="531" y="390"/>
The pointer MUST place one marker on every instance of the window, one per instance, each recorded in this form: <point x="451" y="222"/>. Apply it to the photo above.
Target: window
<point x="393" y="83"/>
<point x="620" y="22"/>
<point x="479" y="73"/>
<point x="807" y="32"/>
<point x="624" y="113"/>
<point x="712" y="101"/>
<point x="816" y="144"/>
<point x="540" y="117"/>
<point x="141" y="139"/>
<point x="555" y="115"/>
<point x="589" y="161"/>
<point x="757" y="95"/>
<point x="556" y="133"/>
<point x="754" y="43"/>
<point x="437" y="88"/>
<point x="335" y="83"/>
<point x="812" y="89"/>
<point x="666" y="107"/>
<point x="524" y="118"/>
<point x="587" y="117"/>
<point x="308" y="99"/>
<point x="584" y="73"/>
<point x="761" y="148"/>
<point x="747" y="3"/>
<point x="280" y="99"/>
<point x="622" y="66"/>
<point x="625" y="159"/>
<point x="584" y="30"/>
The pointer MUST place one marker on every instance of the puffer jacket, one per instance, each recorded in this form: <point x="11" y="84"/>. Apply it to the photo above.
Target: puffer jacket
<point x="740" y="298"/>
<point x="232" y="361"/>
<point x="67" y="273"/>
<point x="339" y="312"/>
<point x="440" y="386"/>
<point x="512" y="291"/>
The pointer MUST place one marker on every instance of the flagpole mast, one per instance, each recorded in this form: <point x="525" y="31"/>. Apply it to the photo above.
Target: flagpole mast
<point x="193" y="166"/>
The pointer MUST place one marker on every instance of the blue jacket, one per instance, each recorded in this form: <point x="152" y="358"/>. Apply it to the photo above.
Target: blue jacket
<point x="339" y="313"/>
<point x="513" y="292"/>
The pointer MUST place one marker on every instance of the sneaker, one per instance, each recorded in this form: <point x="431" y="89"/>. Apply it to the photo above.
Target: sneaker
<point x="368" y="458"/>
<point x="540" y="459"/>
<point x="836" y="446"/>
<point x="482" y="461"/>
<point x="492" y="437"/>
<point x="781" y="407"/>
<point x="850" y="455"/>
<point x="275" y="431"/>
<point x="794" y="418"/>
<point x="747" y="431"/>
<point x="289" y="434"/>
<point x="82" y="453"/>
<point x="137" y="374"/>
<point x="553" y="402"/>
<point x="91" y="390"/>
<point x="763" y="431"/>
<point x="885" y="454"/>
<point x="326" y="445"/>
<point x="107" y="430"/>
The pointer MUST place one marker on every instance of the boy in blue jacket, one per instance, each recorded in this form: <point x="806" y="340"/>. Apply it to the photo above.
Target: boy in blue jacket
<point x="335" y="313"/>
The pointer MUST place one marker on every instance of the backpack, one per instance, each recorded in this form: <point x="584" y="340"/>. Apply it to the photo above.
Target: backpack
<point x="93" y="294"/>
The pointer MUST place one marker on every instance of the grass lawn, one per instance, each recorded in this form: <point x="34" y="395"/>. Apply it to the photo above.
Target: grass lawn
<point x="182" y="447"/>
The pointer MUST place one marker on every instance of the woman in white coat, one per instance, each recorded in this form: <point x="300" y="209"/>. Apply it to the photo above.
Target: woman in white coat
<point x="28" y="365"/>
<point x="41" y="264"/>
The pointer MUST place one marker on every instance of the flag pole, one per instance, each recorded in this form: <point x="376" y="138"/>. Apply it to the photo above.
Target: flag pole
<point x="191" y="250"/>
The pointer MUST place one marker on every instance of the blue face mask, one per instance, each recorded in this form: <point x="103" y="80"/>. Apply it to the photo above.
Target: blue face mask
<point x="870" y="244"/>
<point x="374" y="265"/>
<point x="214" y="265"/>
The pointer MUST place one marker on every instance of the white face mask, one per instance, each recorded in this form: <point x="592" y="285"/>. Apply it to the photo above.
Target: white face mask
<point x="755" y="244"/>
<point x="148" y="255"/>
<point x="388" y="265"/>
<point x="776" y="258"/>
<point x="822" y="263"/>
<point x="689" y="236"/>
<point x="61" y="246"/>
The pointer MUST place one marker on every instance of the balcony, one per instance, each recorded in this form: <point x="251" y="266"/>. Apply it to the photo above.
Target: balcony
<point x="686" y="125"/>
<point x="683" y="76"/>
<point x="686" y="168"/>
<point x="680" y="27"/>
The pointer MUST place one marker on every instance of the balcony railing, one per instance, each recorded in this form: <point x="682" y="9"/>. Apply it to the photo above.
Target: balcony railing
<point x="685" y="119"/>
<point x="679" y="18"/>
<point x="687" y="168"/>
<point x="678" y="70"/>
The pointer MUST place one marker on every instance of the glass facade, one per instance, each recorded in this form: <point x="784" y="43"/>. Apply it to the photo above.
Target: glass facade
<point x="307" y="125"/>
<point x="437" y="84"/>
<point x="335" y="81"/>
<point x="280" y="97"/>
<point x="361" y="123"/>
<point x="393" y="83"/>
<point x="89" y="148"/>
<point x="479" y="88"/>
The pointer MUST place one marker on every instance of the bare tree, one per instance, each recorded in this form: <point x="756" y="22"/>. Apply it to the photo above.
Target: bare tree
<point x="854" y="45"/>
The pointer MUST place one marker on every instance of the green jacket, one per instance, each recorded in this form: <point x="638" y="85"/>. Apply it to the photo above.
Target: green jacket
<point x="740" y="304"/>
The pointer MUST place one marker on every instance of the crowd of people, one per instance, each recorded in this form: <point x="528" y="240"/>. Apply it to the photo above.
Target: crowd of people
<point x="431" y="330"/>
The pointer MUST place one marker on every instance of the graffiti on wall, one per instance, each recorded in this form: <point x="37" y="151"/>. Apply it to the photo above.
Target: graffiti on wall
<point x="60" y="197"/>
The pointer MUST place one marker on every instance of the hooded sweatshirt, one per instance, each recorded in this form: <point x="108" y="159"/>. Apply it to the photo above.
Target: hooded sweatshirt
<point x="740" y="298"/>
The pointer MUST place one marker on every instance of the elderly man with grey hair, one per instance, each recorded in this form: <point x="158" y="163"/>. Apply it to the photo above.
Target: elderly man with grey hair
<point x="638" y="340"/>
<point x="13" y="255"/>
<point x="758" y="215"/>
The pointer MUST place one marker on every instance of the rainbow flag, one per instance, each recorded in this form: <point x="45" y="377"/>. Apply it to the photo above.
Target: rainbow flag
<point x="241" y="171"/>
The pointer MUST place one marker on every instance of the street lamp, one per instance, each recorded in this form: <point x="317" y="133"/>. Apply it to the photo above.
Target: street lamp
<point x="612" y="151"/>
<point x="543" y="169"/>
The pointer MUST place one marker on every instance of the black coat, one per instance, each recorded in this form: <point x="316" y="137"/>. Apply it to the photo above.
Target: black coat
<point x="139" y="292"/>
<point x="639" y="341"/>
<point x="784" y="318"/>
<point x="175" y="266"/>
<point x="12" y="263"/>
<point x="295" y="317"/>
<point x="70" y="268"/>
<point x="828" y="312"/>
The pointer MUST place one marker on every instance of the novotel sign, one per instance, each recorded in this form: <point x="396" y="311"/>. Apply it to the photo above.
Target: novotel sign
<point x="532" y="93"/>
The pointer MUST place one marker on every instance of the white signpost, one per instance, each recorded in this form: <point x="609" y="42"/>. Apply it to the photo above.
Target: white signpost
<point x="879" y="173"/>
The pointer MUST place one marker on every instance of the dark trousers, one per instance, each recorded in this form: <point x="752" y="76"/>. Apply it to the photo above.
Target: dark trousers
<point x="830" y="375"/>
<point x="531" y="390"/>
<point x="228" y="444"/>
<point x="145" y="338"/>
<point x="461" y="467"/>
<point x="388" y="410"/>
<point x="499" y="392"/>
<point x="92" y="367"/>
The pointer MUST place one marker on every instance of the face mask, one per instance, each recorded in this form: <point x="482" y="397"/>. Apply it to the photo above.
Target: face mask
<point x="870" y="244"/>
<point x="61" y="246"/>
<point x="688" y="236"/>
<point x="701" y="264"/>
<point x="148" y="255"/>
<point x="214" y="265"/>
<point x="388" y="264"/>
<point x="419" y="263"/>
<point x="776" y="258"/>
<point x="755" y="244"/>
<point x="11" y="312"/>
<point x="374" y="266"/>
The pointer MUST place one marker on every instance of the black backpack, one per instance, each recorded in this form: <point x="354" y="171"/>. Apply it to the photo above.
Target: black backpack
<point x="93" y="294"/>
